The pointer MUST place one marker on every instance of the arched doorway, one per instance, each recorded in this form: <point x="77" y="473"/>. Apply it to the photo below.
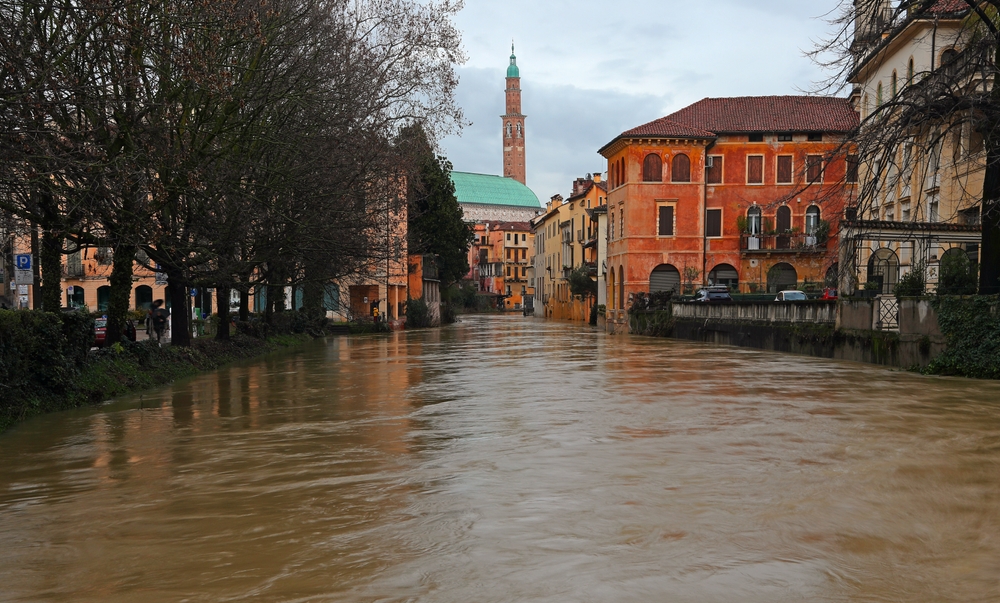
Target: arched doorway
<point x="883" y="268"/>
<point x="621" y="287"/>
<point x="665" y="278"/>
<point x="781" y="277"/>
<point x="76" y="299"/>
<point x="724" y="275"/>
<point x="143" y="297"/>
<point x="611" y="289"/>
<point x="103" y="298"/>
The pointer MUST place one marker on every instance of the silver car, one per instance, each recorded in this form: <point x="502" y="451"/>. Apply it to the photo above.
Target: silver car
<point x="790" y="296"/>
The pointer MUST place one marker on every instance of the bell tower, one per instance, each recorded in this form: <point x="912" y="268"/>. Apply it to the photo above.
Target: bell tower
<point x="513" y="125"/>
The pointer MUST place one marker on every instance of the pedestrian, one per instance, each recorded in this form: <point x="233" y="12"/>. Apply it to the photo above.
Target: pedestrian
<point x="160" y="316"/>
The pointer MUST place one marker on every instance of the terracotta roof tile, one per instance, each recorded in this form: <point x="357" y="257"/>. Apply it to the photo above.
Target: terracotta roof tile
<point x="948" y="6"/>
<point x="668" y="127"/>
<point x="512" y="226"/>
<point x="769" y="114"/>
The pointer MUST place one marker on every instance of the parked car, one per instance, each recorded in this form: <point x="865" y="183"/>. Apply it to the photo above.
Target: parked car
<point x="101" y="331"/>
<point x="785" y="296"/>
<point x="829" y="293"/>
<point x="714" y="295"/>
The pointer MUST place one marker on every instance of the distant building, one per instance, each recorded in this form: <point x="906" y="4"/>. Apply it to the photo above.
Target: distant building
<point x="567" y="237"/>
<point x="486" y="198"/>
<point x="500" y="257"/>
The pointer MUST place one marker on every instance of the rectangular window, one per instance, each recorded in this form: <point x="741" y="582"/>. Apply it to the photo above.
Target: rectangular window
<point x="524" y="272"/>
<point x="713" y="223"/>
<point x="852" y="169"/>
<point x="814" y="168"/>
<point x="713" y="174"/>
<point x="815" y="137"/>
<point x="756" y="138"/>
<point x="666" y="221"/>
<point x="784" y="169"/>
<point x="755" y="169"/>
<point x="784" y="138"/>
<point x="508" y="236"/>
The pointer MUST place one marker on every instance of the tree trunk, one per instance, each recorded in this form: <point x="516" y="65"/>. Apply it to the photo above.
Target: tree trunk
<point x="244" y="305"/>
<point x="989" y="254"/>
<point x="36" y="273"/>
<point x="312" y="292"/>
<point x="121" y="292"/>
<point x="222" y="300"/>
<point x="51" y="263"/>
<point x="179" y="334"/>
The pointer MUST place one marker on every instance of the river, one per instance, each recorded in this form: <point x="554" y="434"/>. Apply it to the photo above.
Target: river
<point x="511" y="459"/>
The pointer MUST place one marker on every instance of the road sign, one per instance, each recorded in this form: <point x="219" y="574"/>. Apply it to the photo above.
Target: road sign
<point x="22" y="261"/>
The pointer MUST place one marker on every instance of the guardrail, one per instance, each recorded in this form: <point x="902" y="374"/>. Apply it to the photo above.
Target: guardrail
<point x="815" y="312"/>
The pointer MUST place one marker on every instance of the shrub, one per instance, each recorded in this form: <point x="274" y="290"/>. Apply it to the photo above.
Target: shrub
<point x="448" y="315"/>
<point x="958" y="276"/>
<point x="911" y="284"/>
<point x="418" y="315"/>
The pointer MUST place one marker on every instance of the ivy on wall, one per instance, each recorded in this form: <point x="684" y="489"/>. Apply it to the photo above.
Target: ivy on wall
<point x="971" y="326"/>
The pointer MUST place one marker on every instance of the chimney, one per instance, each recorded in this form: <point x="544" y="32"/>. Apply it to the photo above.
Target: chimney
<point x="597" y="177"/>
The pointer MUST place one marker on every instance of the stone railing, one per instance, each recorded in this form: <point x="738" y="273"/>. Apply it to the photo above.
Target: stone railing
<point x="815" y="312"/>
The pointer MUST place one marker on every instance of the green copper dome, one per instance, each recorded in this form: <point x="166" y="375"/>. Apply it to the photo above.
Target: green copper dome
<point x="513" y="71"/>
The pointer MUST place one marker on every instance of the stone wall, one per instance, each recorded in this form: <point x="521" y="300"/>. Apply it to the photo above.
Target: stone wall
<point x="498" y="213"/>
<point x="824" y="329"/>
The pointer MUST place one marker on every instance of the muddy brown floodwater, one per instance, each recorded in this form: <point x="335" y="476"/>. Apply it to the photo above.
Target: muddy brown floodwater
<point x="509" y="459"/>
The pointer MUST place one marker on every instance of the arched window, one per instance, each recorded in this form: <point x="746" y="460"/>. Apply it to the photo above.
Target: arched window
<point x="143" y="297"/>
<point x="652" y="168"/>
<point x="949" y="60"/>
<point x="895" y="83"/>
<point x="77" y="299"/>
<point x="519" y="130"/>
<point x="865" y="107"/>
<point x="878" y="95"/>
<point x="621" y="287"/>
<point x="103" y="298"/>
<point x="611" y="174"/>
<point x="622" y="175"/>
<point x="680" y="168"/>
<point x="832" y="279"/>
<point x="508" y="129"/>
<point x="753" y="221"/>
<point x="812" y="220"/>
<point x="883" y="267"/>
<point x="909" y="72"/>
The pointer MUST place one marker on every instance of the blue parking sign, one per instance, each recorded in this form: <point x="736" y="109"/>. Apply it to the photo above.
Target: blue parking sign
<point x="22" y="261"/>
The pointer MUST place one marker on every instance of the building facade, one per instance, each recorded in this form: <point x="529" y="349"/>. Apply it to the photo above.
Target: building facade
<point x="921" y="194"/>
<point x="744" y="192"/>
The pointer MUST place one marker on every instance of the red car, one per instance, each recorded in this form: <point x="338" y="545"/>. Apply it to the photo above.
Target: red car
<point x="829" y="293"/>
<point x="101" y="331"/>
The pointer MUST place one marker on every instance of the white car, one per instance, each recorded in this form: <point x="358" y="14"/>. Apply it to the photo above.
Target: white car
<point x="790" y="296"/>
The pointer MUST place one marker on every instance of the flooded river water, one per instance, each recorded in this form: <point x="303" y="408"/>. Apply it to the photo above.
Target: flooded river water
<point x="509" y="459"/>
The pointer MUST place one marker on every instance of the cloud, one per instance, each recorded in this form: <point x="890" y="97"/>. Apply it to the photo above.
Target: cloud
<point x="590" y="72"/>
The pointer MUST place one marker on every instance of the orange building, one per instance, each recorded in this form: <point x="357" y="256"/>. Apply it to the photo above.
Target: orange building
<point x="499" y="258"/>
<point x="745" y="192"/>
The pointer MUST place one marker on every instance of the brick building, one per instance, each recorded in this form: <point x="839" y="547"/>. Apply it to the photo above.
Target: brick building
<point x="746" y="192"/>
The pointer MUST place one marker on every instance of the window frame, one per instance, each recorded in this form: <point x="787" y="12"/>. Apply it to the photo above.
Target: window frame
<point x="648" y="174"/>
<point x="674" y="170"/>
<point x="718" y="165"/>
<point x="749" y="157"/>
<point x="672" y="204"/>
<point x="809" y="165"/>
<point x="791" y="169"/>
<point x="720" y="222"/>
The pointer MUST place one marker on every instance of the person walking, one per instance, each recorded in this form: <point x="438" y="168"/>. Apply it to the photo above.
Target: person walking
<point x="159" y="316"/>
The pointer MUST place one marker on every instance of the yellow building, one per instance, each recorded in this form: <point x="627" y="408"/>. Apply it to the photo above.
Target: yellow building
<point x="565" y="238"/>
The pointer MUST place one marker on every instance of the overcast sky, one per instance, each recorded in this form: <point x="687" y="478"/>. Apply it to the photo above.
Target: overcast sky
<point x="591" y="70"/>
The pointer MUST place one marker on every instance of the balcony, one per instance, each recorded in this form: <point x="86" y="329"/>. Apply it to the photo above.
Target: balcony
<point x="783" y="243"/>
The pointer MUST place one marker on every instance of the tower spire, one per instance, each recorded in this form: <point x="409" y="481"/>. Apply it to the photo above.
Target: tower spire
<point x="513" y="124"/>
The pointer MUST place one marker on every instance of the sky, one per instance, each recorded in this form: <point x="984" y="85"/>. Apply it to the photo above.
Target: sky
<point x="591" y="70"/>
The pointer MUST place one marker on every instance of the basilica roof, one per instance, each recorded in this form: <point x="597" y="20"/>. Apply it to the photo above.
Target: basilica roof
<point x="484" y="189"/>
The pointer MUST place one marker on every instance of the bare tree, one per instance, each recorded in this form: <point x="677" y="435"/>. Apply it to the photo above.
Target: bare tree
<point x="943" y="119"/>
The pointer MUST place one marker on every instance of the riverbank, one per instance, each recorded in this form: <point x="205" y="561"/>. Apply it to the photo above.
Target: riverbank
<point x="46" y="364"/>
